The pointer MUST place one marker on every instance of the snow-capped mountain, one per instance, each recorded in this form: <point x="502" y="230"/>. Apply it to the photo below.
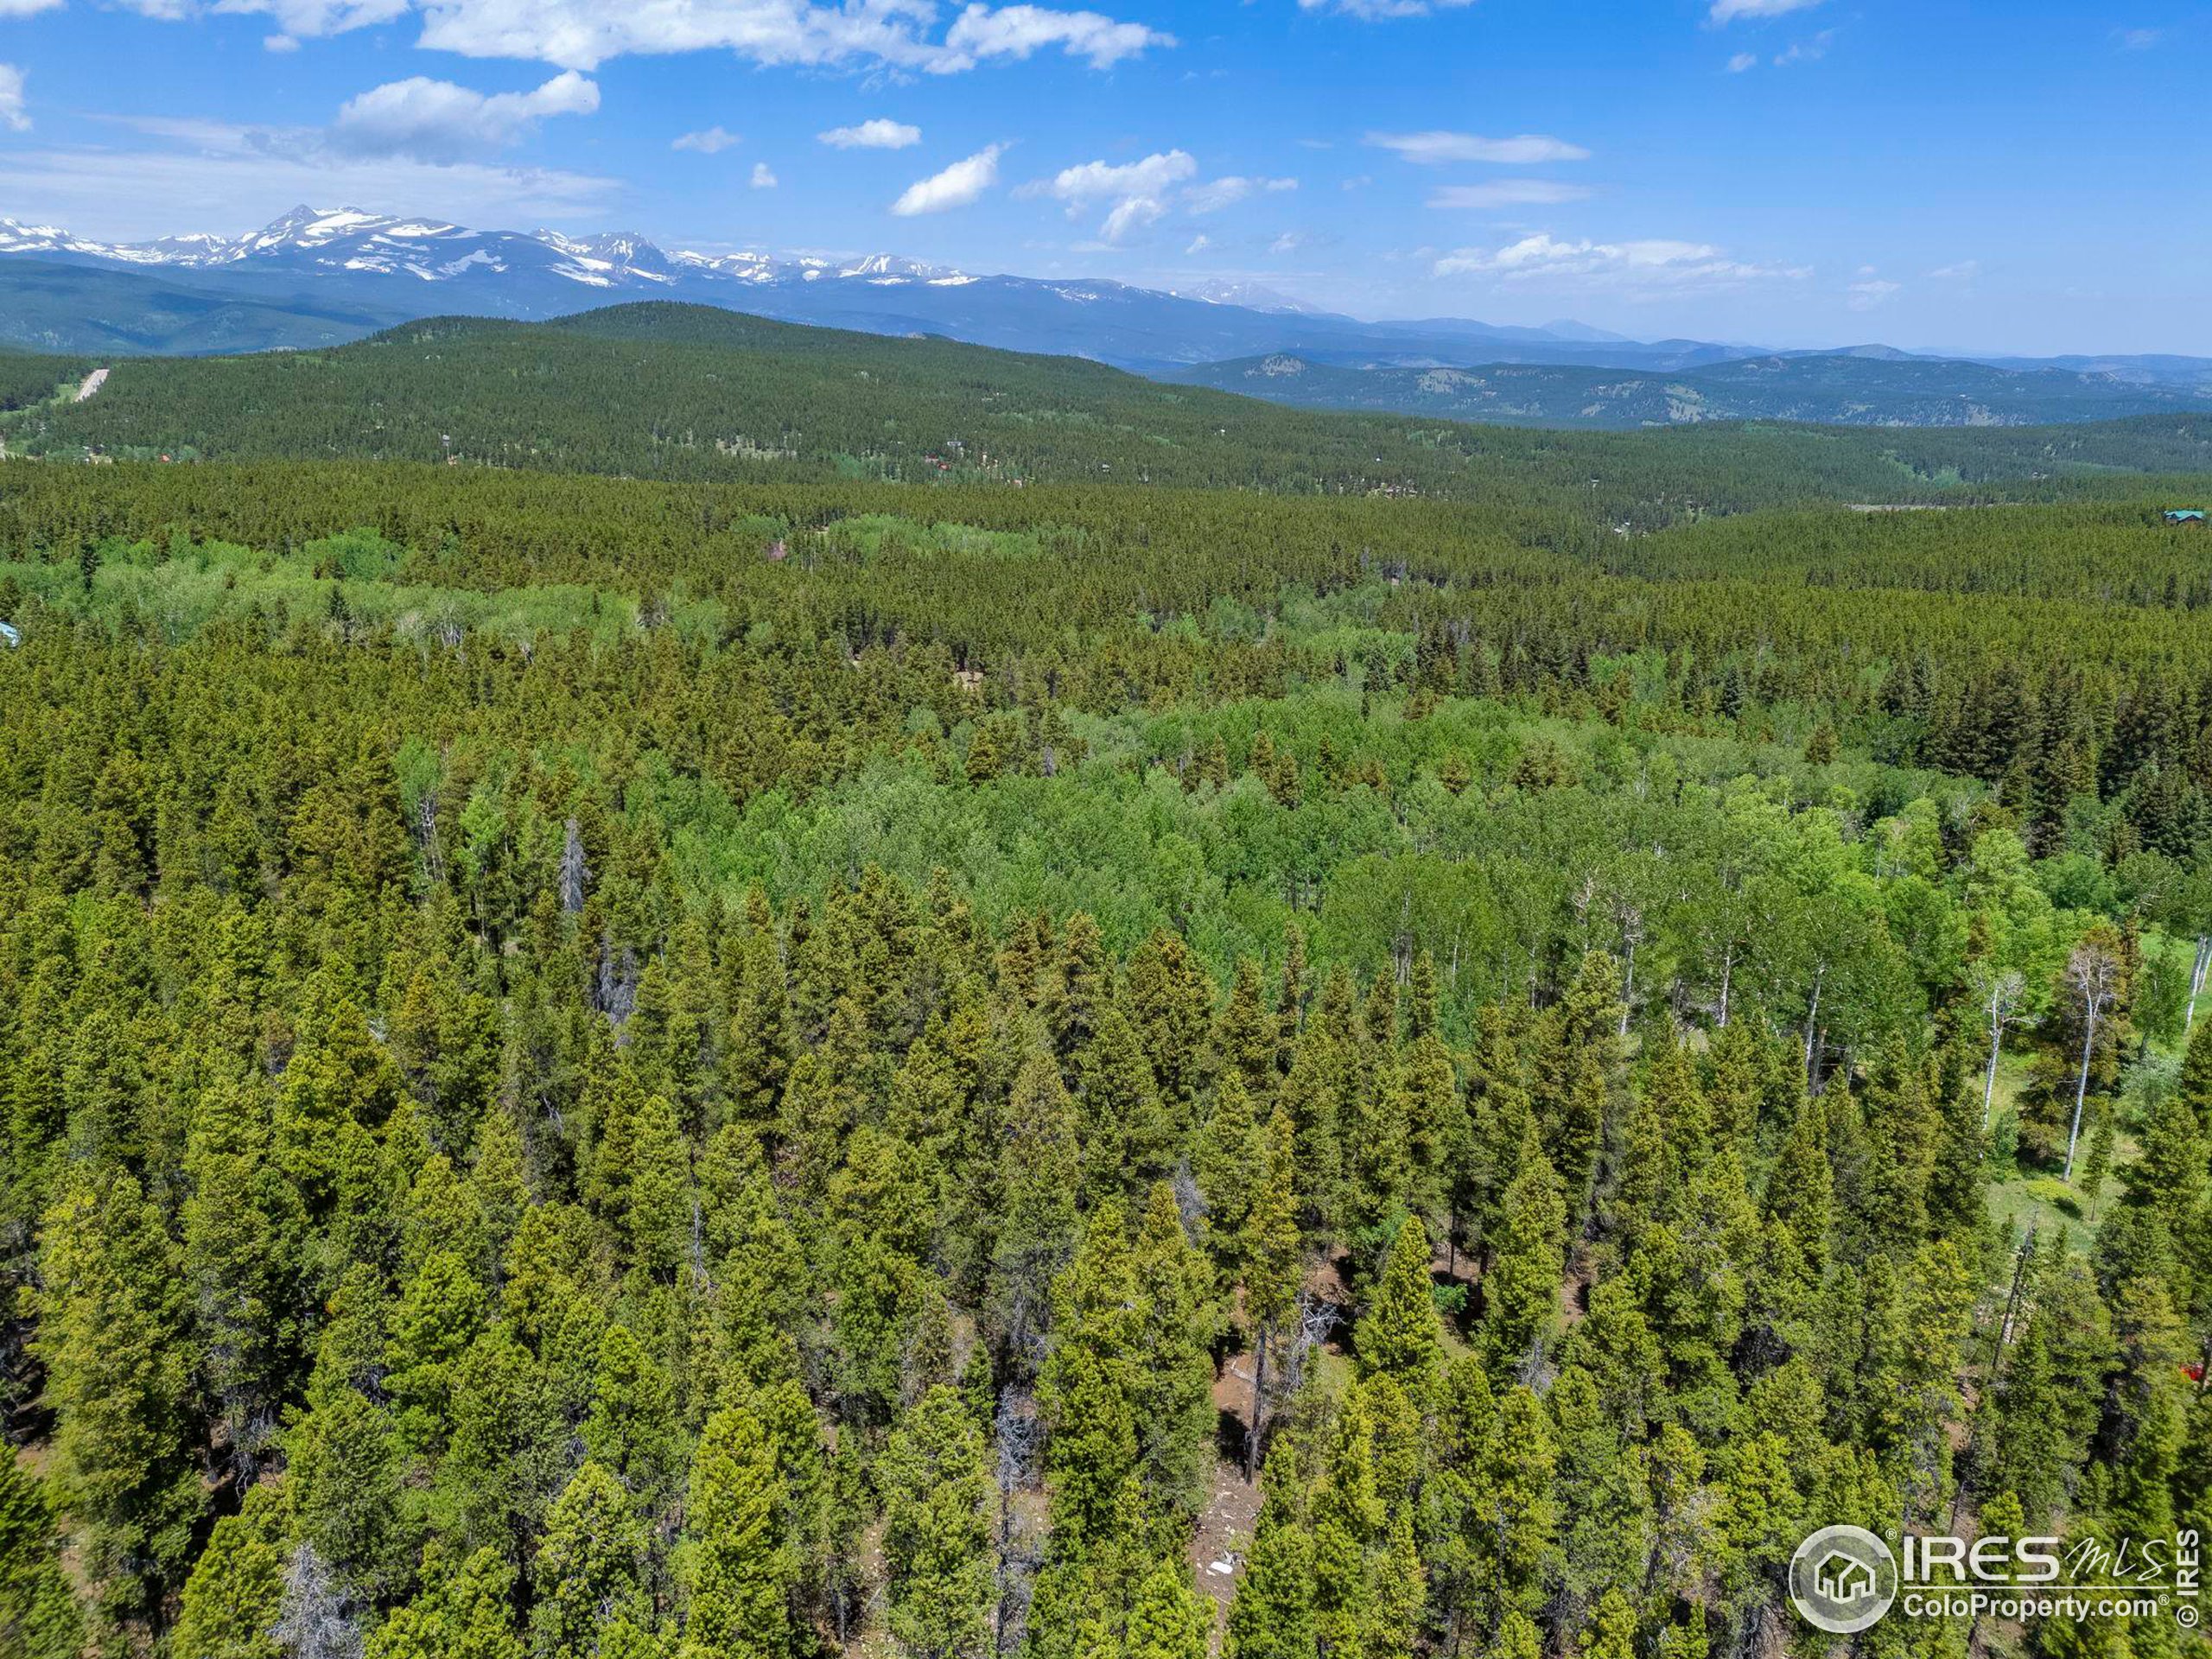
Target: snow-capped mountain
<point x="324" y="240"/>
<point x="317" y="275"/>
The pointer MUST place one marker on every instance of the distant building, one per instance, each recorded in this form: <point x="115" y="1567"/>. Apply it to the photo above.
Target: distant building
<point x="9" y="636"/>
<point x="2185" y="515"/>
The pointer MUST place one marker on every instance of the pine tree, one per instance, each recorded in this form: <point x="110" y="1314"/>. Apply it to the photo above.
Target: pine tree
<point x="114" y="1337"/>
<point x="1175" y="1416"/>
<point x="1169" y="1619"/>
<point x="462" y="1613"/>
<point x="1400" y="1336"/>
<point x="1515" y="1520"/>
<point x="938" y="1525"/>
<point x="242" y="1256"/>
<point x="1039" y="1177"/>
<point x="739" y="1569"/>
<point x="1272" y="1615"/>
<point x="1273" y="1255"/>
<point x="1226" y="1165"/>
<point x="589" y="1573"/>
<point x="1521" y="1291"/>
<point x="39" y="1618"/>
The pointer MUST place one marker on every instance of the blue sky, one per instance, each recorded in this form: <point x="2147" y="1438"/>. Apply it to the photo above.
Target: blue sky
<point x="1927" y="173"/>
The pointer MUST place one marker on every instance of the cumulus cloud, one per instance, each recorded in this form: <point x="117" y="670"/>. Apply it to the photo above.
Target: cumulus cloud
<point x="1507" y="193"/>
<point x="12" y="99"/>
<point x="1200" y="244"/>
<point x="959" y="185"/>
<point x="1018" y="32"/>
<point x="712" y="142"/>
<point x="1288" y="242"/>
<point x="763" y="176"/>
<point x="1742" y="61"/>
<point x="1437" y="148"/>
<point x="25" y="7"/>
<point x="437" y="121"/>
<point x="872" y="135"/>
<point x="1654" y="264"/>
<point x="896" y="35"/>
<point x="1727" y="11"/>
<point x="1872" y="291"/>
<point x="1218" y="194"/>
<point x="1136" y="192"/>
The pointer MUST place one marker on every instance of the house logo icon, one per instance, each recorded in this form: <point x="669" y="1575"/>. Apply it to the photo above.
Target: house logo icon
<point x="1842" y="1579"/>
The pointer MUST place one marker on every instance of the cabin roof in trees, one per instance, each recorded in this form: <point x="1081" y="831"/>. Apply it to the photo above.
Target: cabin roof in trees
<point x="2185" y="515"/>
<point x="8" y="636"/>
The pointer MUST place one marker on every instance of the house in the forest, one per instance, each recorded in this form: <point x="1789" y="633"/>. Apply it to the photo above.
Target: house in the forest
<point x="2186" y="516"/>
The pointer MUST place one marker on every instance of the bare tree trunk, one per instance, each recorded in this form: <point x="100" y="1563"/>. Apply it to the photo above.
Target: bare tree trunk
<point x="1996" y="1041"/>
<point x="1812" y="1014"/>
<point x="2082" y="1086"/>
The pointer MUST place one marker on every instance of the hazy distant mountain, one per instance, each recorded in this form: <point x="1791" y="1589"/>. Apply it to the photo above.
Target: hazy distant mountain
<point x="399" y="266"/>
<point x="317" y="276"/>
<point x="1850" y="388"/>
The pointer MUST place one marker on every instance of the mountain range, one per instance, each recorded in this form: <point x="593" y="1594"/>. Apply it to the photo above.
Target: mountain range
<point x="316" y="277"/>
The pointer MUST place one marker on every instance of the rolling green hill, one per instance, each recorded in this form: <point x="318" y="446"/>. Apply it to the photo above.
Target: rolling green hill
<point x="683" y="392"/>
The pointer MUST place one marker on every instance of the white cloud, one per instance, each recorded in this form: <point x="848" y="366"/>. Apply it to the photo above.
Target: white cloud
<point x="1964" y="271"/>
<point x="295" y="19"/>
<point x="1200" y="244"/>
<point x="1218" y="194"/>
<point x="1374" y="10"/>
<point x="1288" y="242"/>
<point x="1653" y="265"/>
<point x="1436" y="149"/>
<point x="280" y="44"/>
<point x="1132" y="215"/>
<point x="12" y="99"/>
<point x="764" y="177"/>
<point x="962" y="183"/>
<point x="1507" y="193"/>
<point x="712" y="142"/>
<point x="209" y="175"/>
<point x="25" y="7"/>
<point x="1810" y="51"/>
<point x="1107" y="181"/>
<point x="1137" y="191"/>
<point x="872" y="135"/>
<point x="1727" y="11"/>
<point x="2140" y="40"/>
<point x="894" y="35"/>
<point x="436" y="121"/>
<point x="1866" y="295"/>
<point x="1742" y="61"/>
<point x="1018" y="32"/>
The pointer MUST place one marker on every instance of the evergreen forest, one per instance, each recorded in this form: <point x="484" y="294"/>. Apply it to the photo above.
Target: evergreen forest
<point x="672" y="988"/>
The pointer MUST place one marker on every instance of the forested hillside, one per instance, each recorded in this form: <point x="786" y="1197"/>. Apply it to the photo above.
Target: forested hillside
<point x="692" y="393"/>
<point x="752" y="1064"/>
